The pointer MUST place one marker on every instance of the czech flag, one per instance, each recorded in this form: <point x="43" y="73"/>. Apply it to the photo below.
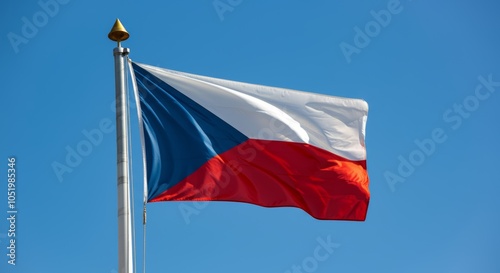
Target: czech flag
<point x="209" y="139"/>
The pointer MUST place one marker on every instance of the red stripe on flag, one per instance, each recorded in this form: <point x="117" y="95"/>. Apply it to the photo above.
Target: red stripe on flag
<point x="280" y="174"/>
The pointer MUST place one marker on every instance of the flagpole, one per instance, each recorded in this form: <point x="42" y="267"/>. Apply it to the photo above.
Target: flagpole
<point x="125" y="258"/>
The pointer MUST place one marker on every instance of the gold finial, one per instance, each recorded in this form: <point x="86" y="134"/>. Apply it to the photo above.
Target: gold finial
<point x="118" y="33"/>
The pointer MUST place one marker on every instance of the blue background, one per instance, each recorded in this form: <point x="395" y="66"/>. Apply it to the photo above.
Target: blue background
<point x="416" y="70"/>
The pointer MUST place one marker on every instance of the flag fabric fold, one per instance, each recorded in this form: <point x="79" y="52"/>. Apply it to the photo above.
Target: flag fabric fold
<point x="209" y="139"/>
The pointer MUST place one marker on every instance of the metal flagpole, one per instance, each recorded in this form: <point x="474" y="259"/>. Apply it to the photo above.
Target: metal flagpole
<point x="125" y="258"/>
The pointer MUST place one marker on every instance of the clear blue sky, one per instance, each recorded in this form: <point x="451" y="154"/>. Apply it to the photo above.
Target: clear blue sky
<point x="429" y="70"/>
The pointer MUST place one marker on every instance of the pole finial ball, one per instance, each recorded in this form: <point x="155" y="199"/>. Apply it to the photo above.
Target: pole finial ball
<point x="118" y="33"/>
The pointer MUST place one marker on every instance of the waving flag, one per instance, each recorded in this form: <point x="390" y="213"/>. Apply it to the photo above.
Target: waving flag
<point x="209" y="139"/>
